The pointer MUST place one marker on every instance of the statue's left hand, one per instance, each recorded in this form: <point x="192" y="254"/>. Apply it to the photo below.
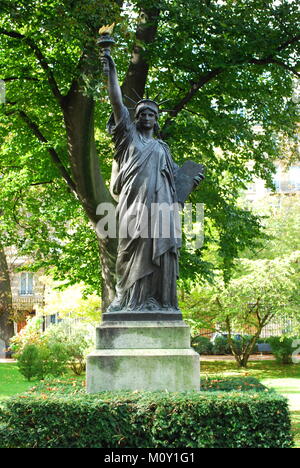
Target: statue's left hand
<point x="198" y="178"/>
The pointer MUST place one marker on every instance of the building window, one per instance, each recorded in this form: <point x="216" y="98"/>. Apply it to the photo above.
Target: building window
<point x="294" y="177"/>
<point x="278" y="179"/>
<point x="26" y="283"/>
<point x="53" y="318"/>
<point x="288" y="181"/>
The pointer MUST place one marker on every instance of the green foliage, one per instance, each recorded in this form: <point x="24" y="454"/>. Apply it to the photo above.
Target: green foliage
<point x="71" y="302"/>
<point x="221" y="346"/>
<point x="29" y="361"/>
<point x="202" y="344"/>
<point x="282" y="348"/>
<point x="281" y="213"/>
<point x="53" y="351"/>
<point x="228" y="68"/>
<point x="42" y="360"/>
<point x="116" y="420"/>
<point x="75" y="344"/>
<point x="262" y="290"/>
<point x="229" y="384"/>
<point x="29" y="335"/>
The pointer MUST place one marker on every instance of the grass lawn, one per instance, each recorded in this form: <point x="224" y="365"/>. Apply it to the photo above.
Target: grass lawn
<point x="11" y="381"/>
<point x="285" y="379"/>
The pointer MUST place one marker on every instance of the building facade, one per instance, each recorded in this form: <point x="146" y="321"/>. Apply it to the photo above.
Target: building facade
<point x="27" y="288"/>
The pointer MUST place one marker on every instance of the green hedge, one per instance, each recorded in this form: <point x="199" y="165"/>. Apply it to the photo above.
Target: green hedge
<point x="229" y="384"/>
<point x="147" y="420"/>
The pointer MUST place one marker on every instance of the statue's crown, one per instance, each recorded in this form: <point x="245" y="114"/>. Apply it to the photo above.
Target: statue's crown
<point x="146" y="104"/>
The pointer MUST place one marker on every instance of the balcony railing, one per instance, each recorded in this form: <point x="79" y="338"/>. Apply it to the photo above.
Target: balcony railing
<point x="27" y="301"/>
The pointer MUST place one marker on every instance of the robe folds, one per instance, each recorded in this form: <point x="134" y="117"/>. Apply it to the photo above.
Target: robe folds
<point x="148" y="219"/>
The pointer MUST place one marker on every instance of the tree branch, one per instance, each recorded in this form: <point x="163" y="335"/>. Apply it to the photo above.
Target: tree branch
<point x="190" y="94"/>
<point x="287" y="43"/>
<point x="14" y="78"/>
<point x="272" y="59"/>
<point x="42" y="183"/>
<point x="55" y="158"/>
<point x="213" y="73"/>
<point x="41" y="58"/>
<point x="266" y="61"/>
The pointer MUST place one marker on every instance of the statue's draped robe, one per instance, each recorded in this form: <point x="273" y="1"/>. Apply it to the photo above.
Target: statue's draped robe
<point x="148" y="218"/>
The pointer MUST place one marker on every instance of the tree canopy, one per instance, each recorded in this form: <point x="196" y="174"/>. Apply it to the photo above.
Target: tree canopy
<point x="264" y="287"/>
<point x="227" y="68"/>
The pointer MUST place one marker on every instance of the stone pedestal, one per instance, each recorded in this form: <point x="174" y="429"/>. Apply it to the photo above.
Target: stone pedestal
<point x="143" y="355"/>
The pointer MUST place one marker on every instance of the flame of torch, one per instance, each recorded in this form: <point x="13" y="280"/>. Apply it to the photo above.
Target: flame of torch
<point x="105" y="42"/>
<point x="107" y="29"/>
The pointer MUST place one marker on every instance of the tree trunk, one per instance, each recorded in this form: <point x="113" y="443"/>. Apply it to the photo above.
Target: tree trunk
<point x="243" y="358"/>
<point x="90" y="187"/>
<point x="136" y="76"/>
<point x="6" y="323"/>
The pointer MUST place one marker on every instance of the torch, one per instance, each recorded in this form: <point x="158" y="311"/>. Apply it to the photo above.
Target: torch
<point x="105" y="42"/>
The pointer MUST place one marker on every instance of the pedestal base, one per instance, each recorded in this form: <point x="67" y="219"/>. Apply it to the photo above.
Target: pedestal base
<point x="143" y="356"/>
<point x="142" y="315"/>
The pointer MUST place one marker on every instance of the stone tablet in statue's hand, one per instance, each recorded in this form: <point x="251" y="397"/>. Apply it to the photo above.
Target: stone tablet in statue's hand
<point x="198" y="178"/>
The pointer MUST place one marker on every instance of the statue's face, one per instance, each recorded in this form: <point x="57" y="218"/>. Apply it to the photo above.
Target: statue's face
<point x="147" y="119"/>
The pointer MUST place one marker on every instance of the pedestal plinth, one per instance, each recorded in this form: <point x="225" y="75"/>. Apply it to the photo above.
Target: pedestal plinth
<point x="143" y="355"/>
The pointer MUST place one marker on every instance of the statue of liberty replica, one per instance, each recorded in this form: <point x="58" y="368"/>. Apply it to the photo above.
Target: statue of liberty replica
<point x="149" y="188"/>
<point x="142" y="342"/>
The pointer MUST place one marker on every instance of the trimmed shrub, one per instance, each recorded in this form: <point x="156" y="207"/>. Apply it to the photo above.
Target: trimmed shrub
<point x="282" y="348"/>
<point x="221" y="346"/>
<point x="202" y="345"/>
<point x="147" y="420"/>
<point x="229" y="384"/>
<point x="29" y="361"/>
<point x="41" y="360"/>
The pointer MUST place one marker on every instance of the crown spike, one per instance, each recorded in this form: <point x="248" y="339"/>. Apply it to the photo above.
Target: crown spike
<point x="136" y="94"/>
<point x="157" y="96"/>
<point x="132" y="100"/>
<point x="162" y="102"/>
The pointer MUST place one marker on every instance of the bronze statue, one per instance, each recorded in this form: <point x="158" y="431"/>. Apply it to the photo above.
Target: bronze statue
<point x="144" y="181"/>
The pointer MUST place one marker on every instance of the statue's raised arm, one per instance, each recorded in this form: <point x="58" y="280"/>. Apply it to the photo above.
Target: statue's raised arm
<point x="106" y="41"/>
<point x="114" y="89"/>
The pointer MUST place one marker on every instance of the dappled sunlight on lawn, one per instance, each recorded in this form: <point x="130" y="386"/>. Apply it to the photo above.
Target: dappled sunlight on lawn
<point x="258" y="369"/>
<point x="290" y="388"/>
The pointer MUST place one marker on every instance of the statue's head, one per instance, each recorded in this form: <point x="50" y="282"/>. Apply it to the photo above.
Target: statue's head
<point x="146" y="115"/>
<point x="144" y="104"/>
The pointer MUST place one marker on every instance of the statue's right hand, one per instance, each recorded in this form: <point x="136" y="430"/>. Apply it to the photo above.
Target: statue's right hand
<point x="107" y="63"/>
